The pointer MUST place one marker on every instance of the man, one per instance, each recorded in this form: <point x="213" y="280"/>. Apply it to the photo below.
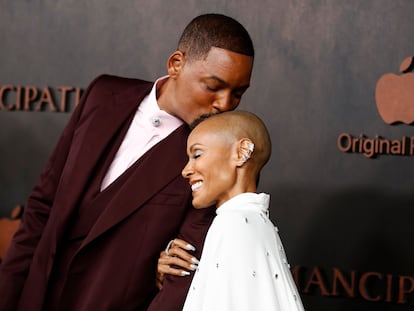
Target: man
<point x="111" y="195"/>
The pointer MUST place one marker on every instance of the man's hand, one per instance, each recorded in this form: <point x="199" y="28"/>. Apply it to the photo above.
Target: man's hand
<point x="176" y="260"/>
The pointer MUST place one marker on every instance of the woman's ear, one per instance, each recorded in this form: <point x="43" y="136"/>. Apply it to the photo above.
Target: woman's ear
<point x="175" y="64"/>
<point x="244" y="151"/>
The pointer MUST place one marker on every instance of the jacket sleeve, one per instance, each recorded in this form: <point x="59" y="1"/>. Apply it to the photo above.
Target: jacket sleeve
<point x="16" y="264"/>
<point x="193" y="230"/>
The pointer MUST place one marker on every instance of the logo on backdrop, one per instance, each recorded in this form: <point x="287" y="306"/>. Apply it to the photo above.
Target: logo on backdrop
<point x="394" y="95"/>
<point x="394" y="98"/>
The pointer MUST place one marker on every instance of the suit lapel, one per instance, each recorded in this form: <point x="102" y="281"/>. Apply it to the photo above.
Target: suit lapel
<point x="137" y="189"/>
<point x="106" y="120"/>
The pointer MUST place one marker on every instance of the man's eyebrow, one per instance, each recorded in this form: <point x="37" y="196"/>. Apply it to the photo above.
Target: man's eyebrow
<point x="217" y="79"/>
<point x="243" y="87"/>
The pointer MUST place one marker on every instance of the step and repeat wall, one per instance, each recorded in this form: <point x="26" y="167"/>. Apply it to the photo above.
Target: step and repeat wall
<point x="333" y="81"/>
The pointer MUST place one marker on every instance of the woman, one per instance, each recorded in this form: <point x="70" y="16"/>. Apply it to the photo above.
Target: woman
<point x="243" y="265"/>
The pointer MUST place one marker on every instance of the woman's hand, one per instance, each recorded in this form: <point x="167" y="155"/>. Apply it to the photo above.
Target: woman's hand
<point x="176" y="260"/>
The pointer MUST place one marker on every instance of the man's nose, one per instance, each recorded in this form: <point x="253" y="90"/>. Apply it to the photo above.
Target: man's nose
<point x="224" y="103"/>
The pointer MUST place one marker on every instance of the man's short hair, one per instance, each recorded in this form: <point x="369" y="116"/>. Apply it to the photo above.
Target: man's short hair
<point x="214" y="30"/>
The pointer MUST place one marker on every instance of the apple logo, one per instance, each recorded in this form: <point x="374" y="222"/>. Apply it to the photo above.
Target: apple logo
<point x="394" y="95"/>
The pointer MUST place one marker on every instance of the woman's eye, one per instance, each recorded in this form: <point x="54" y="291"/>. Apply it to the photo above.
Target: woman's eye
<point x="197" y="154"/>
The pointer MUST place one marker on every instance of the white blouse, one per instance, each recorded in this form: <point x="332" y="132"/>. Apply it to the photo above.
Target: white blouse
<point x="243" y="266"/>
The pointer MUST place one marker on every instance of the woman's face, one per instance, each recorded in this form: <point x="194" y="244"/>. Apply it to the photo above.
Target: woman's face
<point x="211" y="168"/>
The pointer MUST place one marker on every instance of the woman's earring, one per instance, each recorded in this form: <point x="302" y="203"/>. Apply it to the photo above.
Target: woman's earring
<point x="245" y="157"/>
<point x="247" y="153"/>
<point x="251" y="147"/>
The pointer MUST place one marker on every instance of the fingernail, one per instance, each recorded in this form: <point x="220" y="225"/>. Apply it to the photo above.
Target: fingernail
<point x="195" y="260"/>
<point x="184" y="273"/>
<point x="190" y="247"/>
<point x="193" y="267"/>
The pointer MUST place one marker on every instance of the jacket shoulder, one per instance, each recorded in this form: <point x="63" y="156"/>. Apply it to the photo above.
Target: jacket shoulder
<point x="117" y="83"/>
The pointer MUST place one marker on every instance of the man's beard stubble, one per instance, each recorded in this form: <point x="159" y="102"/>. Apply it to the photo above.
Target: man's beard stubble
<point x="201" y="119"/>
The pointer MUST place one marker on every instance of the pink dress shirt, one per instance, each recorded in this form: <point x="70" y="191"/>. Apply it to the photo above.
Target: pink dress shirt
<point x="149" y="126"/>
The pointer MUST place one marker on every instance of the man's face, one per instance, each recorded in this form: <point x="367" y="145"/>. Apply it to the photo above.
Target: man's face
<point x="211" y="168"/>
<point x="211" y="85"/>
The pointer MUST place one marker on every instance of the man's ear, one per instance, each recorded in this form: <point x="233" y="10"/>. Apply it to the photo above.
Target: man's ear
<point x="245" y="149"/>
<point x="175" y="64"/>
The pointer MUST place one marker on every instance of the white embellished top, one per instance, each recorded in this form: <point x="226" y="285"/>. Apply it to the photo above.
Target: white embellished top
<point x="243" y="266"/>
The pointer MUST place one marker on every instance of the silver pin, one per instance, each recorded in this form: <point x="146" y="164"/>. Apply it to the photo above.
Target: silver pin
<point x="156" y="121"/>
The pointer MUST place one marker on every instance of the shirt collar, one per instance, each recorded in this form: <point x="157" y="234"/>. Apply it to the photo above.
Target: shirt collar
<point x="151" y="111"/>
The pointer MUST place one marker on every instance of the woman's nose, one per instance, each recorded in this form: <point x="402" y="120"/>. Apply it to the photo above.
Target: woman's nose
<point x="186" y="172"/>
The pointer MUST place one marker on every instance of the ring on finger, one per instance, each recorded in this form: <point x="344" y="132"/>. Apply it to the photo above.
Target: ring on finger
<point x="167" y="249"/>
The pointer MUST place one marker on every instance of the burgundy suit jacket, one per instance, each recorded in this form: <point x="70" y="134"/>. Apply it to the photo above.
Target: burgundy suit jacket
<point x="114" y="268"/>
